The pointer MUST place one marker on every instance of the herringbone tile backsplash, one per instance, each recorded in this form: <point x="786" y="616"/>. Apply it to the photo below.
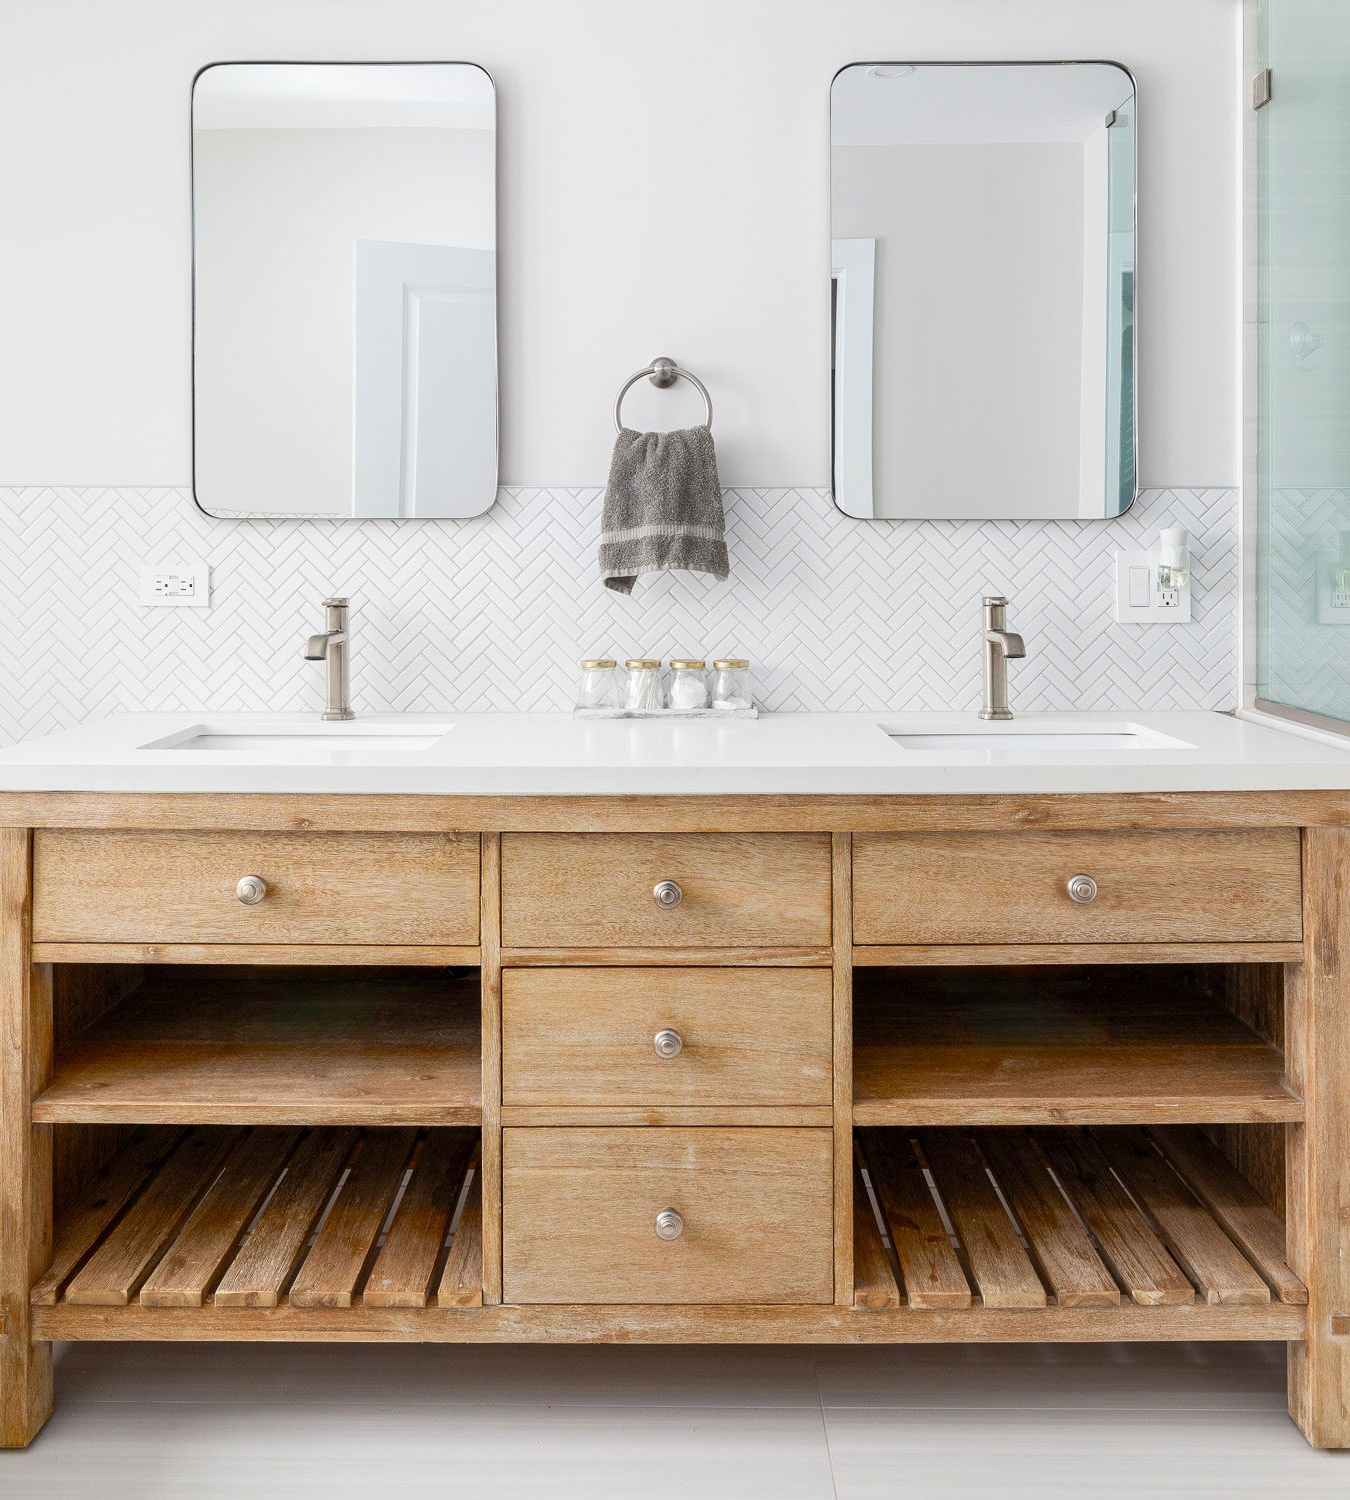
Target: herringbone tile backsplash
<point x="492" y="614"/>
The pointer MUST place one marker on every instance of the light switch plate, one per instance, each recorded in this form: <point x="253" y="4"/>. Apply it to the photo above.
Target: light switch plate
<point x="178" y="584"/>
<point x="1333" y="602"/>
<point x="1139" y="600"/>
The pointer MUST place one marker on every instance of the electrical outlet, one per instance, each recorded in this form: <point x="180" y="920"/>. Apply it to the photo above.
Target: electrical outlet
<point x="1141" y="600"/>
<point x="1333" y="597"/>
<point x="186" y="585"/>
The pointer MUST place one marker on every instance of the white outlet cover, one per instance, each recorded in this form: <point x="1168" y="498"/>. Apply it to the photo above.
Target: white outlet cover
<point x="1139" y="601"/>
<point x="178" y="585"/>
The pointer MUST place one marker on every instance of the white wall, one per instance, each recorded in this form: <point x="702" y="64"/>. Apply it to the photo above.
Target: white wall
<point x="664" y="190"/>
<point x="979" y="325"/>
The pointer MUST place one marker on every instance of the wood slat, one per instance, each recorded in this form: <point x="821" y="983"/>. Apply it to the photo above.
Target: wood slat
<point x="330" y="1274"/>
<point x="114" y="1272"/>
<point x="259" y="1273"/>
<point x="403" y="1270"/>
<point x="462" y="1280"/>
<point x="79" y="1227"/>
<point x="1001" y="1268"/>
<point x="929" y="1266"/>
<point x="1189" y="1231"/>
<point x="874" y="1283"/>
<point x="1236" y="1204"/>
<point x="1135" y="1254"/>
<point x="1059" y="1244"/>
<point x="204" y="1245"/>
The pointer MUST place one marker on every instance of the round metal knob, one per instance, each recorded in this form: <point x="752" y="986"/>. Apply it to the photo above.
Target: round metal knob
<point x="669" y="1225"/>
<point x="1082" y="888"/>
<point x="667" y="893"/>
<point x="251" y="889"/>
<point x="668" y="1043"/>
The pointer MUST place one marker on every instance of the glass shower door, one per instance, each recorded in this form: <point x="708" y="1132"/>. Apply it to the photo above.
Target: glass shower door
<point x="1303" y="396"/>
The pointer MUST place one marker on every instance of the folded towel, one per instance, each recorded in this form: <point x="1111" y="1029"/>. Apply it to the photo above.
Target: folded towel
<point x="663" y="508"/>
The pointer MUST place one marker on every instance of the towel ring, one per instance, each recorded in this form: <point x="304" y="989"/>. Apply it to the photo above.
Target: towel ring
<point x="662" y="372"/>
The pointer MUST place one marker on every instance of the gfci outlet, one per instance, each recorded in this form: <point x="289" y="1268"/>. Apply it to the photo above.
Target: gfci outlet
<point x="187" y="585"/>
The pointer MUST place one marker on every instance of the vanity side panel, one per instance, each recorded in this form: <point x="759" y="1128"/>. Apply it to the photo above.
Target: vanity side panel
<point x="25" y="1149"/>
<point x="490" y="1161"/>
<point x="1255" y="994"/>
<point x="1318" y="1213"/>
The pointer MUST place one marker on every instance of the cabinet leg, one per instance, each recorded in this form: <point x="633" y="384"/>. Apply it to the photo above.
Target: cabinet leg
<point x="1317" y="1060"/>
<point x="25" y="1150"/>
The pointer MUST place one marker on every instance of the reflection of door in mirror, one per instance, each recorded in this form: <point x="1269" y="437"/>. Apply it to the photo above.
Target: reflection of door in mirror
<point x="344" y="337"/>
<point x="983" y="259"/>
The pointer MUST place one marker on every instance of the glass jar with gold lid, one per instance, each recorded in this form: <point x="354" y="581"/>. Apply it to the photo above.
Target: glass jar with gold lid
<point x="644" y="683"/>
<point x="599" y="683"/>
<point x="688" y="685"/>
<point x="730" y="687"/>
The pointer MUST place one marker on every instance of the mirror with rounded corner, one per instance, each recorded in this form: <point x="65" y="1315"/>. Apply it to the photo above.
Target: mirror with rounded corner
<point x="983" y="290"/>
<point x="344" y="354"/>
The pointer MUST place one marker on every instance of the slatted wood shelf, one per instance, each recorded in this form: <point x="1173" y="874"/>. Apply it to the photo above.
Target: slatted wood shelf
<point x="292" y="1046"/>
<point x="275" y="1217"/>
<point x="945" y="1046"/>
<point x="1062" y="1218"/>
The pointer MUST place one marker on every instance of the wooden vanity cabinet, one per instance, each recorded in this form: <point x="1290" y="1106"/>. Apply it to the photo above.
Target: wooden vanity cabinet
<point x="675" y="1069"/>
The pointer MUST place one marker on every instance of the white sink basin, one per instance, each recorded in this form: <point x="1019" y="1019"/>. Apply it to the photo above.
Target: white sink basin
<point x="334" y="743"/>
<point x="1010" y="741"/>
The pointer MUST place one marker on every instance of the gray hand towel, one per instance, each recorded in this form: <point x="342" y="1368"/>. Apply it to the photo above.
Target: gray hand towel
<point x="663" y="508"/>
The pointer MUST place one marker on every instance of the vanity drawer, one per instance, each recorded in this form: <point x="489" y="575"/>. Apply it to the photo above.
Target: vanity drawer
<point x="1240" y="887"/>
<point x="360" y="888"/>
<point x="730" y="1037"/>
<point x="754" y="1206"/>
<point x="599" y="890"/>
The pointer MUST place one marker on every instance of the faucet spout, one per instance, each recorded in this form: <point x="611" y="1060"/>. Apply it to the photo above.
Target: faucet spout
<point x="1008" y="641"/>
<point x="318" y="646"/>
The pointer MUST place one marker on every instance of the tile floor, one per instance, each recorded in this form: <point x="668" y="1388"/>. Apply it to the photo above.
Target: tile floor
<point x="240" y="1422"/>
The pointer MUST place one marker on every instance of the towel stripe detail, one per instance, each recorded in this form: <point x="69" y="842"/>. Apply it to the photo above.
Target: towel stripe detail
<point x="673" y="528"/>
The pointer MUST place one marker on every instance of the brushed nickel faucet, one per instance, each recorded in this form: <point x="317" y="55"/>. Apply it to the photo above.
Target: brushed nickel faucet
<point x="330" y="647"/>
<point x="1000" y="644"/>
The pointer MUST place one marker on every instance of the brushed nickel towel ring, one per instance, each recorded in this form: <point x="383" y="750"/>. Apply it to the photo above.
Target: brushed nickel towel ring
<point x="662" y="372"/>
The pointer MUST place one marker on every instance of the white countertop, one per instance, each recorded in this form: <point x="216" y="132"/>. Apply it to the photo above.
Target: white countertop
<point x="553" y="754"/>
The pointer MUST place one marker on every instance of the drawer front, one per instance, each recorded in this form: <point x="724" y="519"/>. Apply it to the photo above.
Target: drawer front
<point x="598" y="890"/>
<point x="666" y="1037"/>
<point x="1014" y="888"/>
<point x="580" y="1211"/>
<point x="362" y="888"/>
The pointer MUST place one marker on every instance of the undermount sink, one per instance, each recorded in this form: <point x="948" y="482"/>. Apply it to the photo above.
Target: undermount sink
<point x="1013" y="741"/>
<point x="333" y="742"/>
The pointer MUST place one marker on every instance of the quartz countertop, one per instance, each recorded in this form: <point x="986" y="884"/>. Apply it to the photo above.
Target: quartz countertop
<point x="554" y="754"/>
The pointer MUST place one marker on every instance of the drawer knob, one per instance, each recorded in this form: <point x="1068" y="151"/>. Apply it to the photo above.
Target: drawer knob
<point x="669" y="1225"/>
<point x="667" y="893"/>
<point x="1082" y="888"/>
<point x="668" y="1043"/>
<point x="251" y="889"/>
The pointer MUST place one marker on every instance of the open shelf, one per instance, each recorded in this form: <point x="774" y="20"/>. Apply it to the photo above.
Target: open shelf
<point x="258" y="1046"/>
<point x="1061" y="1218"/>
<point x="274" y="1217"/>
<point x="949" y="1046"/>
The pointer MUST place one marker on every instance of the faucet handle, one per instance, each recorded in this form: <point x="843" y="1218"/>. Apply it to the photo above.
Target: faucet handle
<point x="335" y="603"/>
<point x="991" y="601"/>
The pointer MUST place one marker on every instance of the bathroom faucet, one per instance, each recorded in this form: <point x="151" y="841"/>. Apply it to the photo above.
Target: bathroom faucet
<point x="331" y="647"/>
<point x="1000" y="643"/>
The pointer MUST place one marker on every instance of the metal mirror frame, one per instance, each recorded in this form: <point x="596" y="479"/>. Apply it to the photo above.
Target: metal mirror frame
<point x="315" y="62"/>
<point x="1029" y="62"/>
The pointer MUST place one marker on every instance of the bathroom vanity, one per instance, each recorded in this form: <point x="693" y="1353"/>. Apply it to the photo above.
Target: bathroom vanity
<point x="519" y="1028"/>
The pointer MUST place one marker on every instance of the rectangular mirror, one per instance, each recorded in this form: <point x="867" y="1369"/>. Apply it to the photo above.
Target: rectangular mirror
<point x="983" y="290"/>
<point x="344" y="351"/>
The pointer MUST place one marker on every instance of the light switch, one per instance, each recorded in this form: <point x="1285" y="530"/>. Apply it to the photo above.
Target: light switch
<point x="1139" y="582"/>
